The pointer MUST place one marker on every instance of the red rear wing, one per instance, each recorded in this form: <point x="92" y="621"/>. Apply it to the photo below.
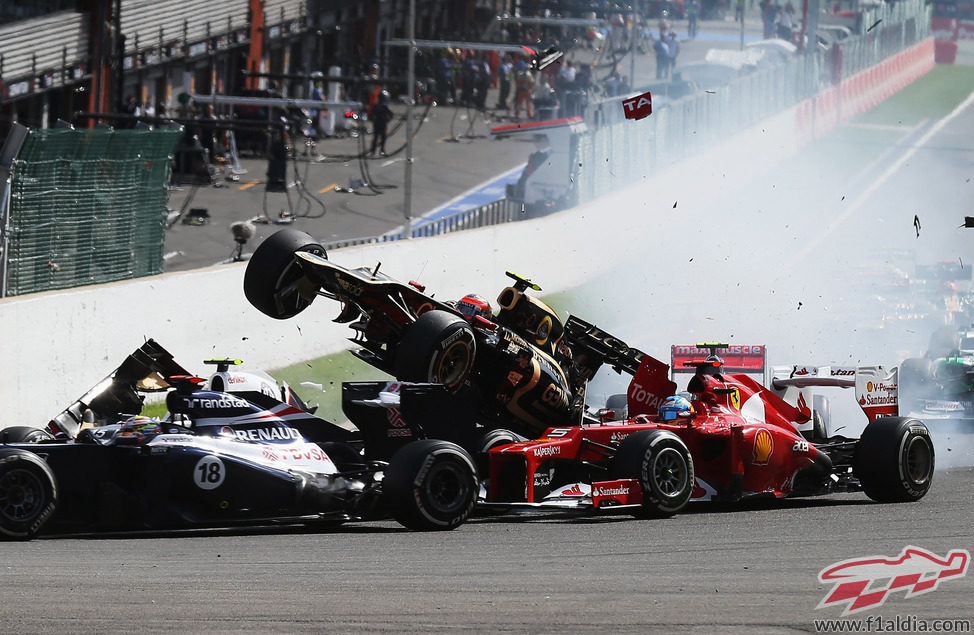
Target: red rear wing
<point x="737" y="358"/>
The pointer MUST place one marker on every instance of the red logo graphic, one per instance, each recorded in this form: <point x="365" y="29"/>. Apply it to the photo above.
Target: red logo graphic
<point x="865" y="583"/>
<point x="639" y="106"/>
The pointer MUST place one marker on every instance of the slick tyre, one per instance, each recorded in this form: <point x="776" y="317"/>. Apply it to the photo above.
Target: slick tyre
<point x="28" y="494"/>
<point x="430" y="485"/>
<point x="487" y="441"/>
<point x="24" y="434"/>
<point x="438" y="347"/>
<point x="274" y="282"/>
<point x="662" y="464"/>
<point x="894" y="460"/>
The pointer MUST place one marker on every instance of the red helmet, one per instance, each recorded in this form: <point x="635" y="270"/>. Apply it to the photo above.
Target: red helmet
<point x="472" y="305"/>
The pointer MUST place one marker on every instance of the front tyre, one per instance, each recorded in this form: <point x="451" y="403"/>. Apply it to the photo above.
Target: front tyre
<point x="439" y="347"/>
<point x="662" y="464"/>
<point x="28" y="494"/>
<point x="894" y="460"/>
<point x="430" y="485"/>
<point x="274" y="282"/>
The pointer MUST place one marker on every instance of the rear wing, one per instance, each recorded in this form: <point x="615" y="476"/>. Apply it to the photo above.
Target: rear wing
<point x="737" y="358"/>
<point x="876" y="388"/>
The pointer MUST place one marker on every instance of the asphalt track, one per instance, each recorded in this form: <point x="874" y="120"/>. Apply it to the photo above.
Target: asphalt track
<point x="738" y="569"/>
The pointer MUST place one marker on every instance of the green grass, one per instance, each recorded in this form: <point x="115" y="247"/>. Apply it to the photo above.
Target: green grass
<point x="933" y="96"/>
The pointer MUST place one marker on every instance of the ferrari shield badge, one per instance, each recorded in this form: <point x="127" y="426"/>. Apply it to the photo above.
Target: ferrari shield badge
<point x="639" y="106"/>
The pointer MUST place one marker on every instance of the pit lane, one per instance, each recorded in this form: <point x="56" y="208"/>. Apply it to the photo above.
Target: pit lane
<point x="751" y="568"/>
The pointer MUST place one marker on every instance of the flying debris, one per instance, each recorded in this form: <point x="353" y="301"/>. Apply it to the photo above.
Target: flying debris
<point x="874" y="25"/>
<point x="916" y="223"/>
<point x="639" y="106"/>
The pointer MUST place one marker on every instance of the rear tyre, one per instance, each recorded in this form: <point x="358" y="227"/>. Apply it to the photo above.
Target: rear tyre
<point x="274" y="282"/>
<point x="662" y="464"/>
<point x="24" y="434"/>
<point x="894" y="460"/>
<point x="28" y="494"/>
<point x="438" y="347"/>
<point x="430" y="485"/>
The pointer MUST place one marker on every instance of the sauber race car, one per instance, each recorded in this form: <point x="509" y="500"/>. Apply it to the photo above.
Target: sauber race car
<point x="940" y="385"/>
<point x="234" y="449"/>
<point x="727" y="438"/>
<point x="521" y="366"/>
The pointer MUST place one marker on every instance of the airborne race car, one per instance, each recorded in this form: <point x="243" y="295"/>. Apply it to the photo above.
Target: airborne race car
<point x="239" y="450"/>
<point x="522" y="369"/>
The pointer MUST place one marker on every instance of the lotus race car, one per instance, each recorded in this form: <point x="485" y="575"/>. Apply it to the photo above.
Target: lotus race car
<point x="234" y="449"/>
<point x="521" y="367"/>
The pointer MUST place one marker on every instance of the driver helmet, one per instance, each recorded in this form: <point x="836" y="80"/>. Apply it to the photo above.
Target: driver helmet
<point x="472" y="305"/>
<point x="675" y="407"/>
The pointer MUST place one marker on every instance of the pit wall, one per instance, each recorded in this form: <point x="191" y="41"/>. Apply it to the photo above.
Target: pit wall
<point x="57" y="345"/>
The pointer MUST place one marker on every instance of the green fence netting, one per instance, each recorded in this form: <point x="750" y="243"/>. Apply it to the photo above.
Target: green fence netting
<point x="87" y="206"/>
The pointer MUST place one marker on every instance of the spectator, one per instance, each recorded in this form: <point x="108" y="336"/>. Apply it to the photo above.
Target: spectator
<point x="738" y="10"/>
<point x="692" y="9"/>
<point x="545" y="100"/>
<point x="662" y="51"/>
<point x="446" y="86"/>
<point x="381" y="115"/>
<point x="505" y="76"/>
<point x="523" y="88"/>
<point x="786" y="22"/>
<point x="673" y="44"/>
<point x="482" y="82"/>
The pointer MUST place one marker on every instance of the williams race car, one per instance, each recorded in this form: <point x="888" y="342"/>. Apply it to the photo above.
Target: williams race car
<point x="727" y="438"/>
<point x="522" y="367"/>
<point x="234" y="449"/>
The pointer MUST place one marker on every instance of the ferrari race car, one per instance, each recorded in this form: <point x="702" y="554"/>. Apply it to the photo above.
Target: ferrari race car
<point x="733" y="439"/>
<point x="234" y="449"/>
<point x="522" y="367"/>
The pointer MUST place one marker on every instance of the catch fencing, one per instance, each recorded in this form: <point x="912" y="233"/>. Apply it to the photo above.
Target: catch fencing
<point x="85" y="207"/>
<point x="686" y="126"/>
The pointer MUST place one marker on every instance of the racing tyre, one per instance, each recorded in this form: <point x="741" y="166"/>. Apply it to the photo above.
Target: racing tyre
<point x="491" y="439"/>
<point x="894" y="460"/>
<point x="28" y="494"/>
<point x="24" y="434"/>
<point x="430" y="485"/>
<point x="662" y="464"/>
<point x="438" y="347"/>
<point x="273" y="282"/>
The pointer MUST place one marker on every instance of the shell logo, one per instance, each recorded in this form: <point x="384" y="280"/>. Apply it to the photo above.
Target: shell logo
<point x="763" y="446"/>
<point x="869" y="386"/>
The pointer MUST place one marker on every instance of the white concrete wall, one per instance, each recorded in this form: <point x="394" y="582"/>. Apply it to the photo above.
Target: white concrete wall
<point x="57" y="345"/>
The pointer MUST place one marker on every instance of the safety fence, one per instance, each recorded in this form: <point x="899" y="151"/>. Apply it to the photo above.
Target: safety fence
<point x="610" y="156"/>
<point x="502" y="211"/>
<point x="85" y="207"/>
<point x="685" y="126"/>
